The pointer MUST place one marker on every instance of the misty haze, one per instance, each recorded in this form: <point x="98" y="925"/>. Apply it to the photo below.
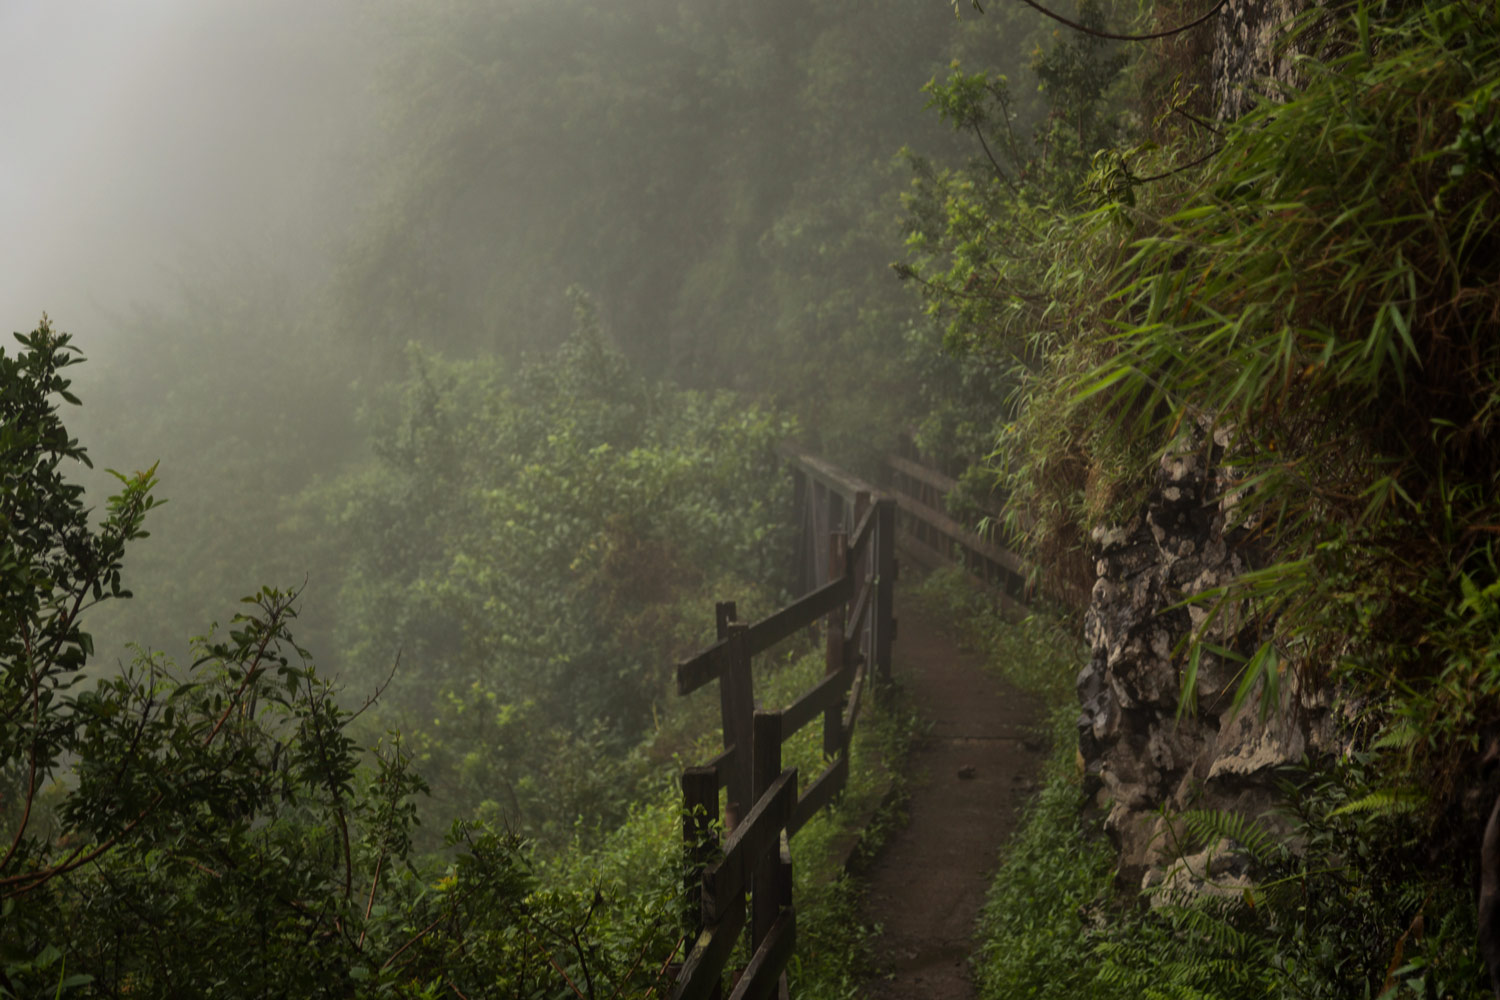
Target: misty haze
<point x="465" y="463"/>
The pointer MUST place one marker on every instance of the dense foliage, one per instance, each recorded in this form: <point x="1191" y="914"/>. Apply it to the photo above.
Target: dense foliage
<point x="1352" y="912"/>
<point x="985" y="238"/>
<point x="1305" y="295"/>
<point x="537" y="545"/>
<point x="509" y="540"/>
<point x="234" y="828"/>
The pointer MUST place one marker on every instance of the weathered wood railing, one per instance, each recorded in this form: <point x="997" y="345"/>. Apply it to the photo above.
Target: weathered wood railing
<point x="763" y="808"/>
<point x="932" y="538"/>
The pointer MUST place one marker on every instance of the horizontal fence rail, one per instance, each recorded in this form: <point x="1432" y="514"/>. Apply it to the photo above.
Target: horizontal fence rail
<point x="932" y="538"/>
<point x="848" y="567"/>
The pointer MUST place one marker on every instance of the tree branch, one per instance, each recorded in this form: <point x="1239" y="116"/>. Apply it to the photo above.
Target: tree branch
<point x="370" y="902"/>
<point x="411" y="941"/>
<point x="1179" y="169"/>
<point x="35" y="880"/>
<point x="1126" y="38"/>
<point x="979" y="133"/>
<point x="15" y="842"/>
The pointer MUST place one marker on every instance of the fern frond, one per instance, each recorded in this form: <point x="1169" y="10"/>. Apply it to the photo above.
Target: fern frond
<point x="1219" y="933"/>
<point x="1400" y="735"/>
<point x="1281" y="895"/>
<point x="1179" y="991"/>
<point x="1208" y="826"/>
<point x="1386" y="801"/>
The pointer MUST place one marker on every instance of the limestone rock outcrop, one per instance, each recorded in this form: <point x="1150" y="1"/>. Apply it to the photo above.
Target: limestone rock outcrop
<point x="1250" y="53"/>
<point x="1143" y="759"/>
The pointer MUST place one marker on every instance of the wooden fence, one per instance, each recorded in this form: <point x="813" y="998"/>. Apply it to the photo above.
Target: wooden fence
<point x="854" y="593"/>
<point x="932" y="539"/>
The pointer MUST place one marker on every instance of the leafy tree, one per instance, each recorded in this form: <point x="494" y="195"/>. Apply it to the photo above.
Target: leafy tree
<point x="157" y="821"/>
<point x="54" y="568"/>
<point x="216" y="830"/>
<point x="987" y="246"/>
<point x="537" y="544"/>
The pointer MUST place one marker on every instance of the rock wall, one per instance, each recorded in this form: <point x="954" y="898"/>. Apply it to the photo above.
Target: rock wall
<point x="1247" y="59"/>
<point x="1140" y="755"/>
<point x="1144" y="760"/>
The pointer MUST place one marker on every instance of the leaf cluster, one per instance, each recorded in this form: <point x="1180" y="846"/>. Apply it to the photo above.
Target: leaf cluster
<point x="1310" y="306"/>
<point x="537" y="544"/>
<point x="220" y="830"/>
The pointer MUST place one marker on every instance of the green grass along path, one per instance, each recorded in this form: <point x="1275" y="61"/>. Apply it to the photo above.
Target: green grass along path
<point x="971" y="771"/>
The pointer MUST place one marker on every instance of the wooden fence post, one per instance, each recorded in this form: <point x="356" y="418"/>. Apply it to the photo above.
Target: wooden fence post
<point x="836" y="511"/>
<point x="736" y="707"/>
<point x="864" y="566"/>
<point x="724" y="614"/>
<point x="884" y="622"/>
<point x="802" y="573"/>
<point x="819" y="526"/>
<point x="784" y="882"/>
<point x="766" y="901"/>
<point x="700" y="811"/>
<point x="835" y="658"/>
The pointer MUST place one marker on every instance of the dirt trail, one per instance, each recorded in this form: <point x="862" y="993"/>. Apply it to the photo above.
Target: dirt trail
<point x="969" y="774"/>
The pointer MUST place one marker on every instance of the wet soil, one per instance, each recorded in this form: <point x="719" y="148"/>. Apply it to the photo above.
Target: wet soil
<point x="969" y="774"/>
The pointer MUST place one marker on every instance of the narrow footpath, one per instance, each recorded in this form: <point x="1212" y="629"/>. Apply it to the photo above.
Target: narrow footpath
<point x="970" y="772"/>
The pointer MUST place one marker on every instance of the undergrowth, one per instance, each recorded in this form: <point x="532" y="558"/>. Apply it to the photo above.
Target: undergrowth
<point x="833" y="952"/>
<point x="1352" y="912"/>
<point x="1307" y="298"/>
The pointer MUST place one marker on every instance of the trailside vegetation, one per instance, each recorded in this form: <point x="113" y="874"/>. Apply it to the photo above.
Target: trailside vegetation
<point x="241" y="825"/>
<point x="1308" y="293"/>
<point x="215" y="828"/>
<point x="537" y="544"/>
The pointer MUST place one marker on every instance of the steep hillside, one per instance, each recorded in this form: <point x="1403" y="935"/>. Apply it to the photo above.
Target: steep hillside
<point x="1252" y="353"/>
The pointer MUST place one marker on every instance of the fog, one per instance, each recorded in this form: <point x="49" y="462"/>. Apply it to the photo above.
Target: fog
<point x="250" y="213"/>
<point x="475" y="324"/>
<point x="177" y="179"/>
<point x="135" y="136"/>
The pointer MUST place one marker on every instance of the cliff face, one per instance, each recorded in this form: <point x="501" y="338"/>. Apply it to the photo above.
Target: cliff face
<point x="1143" y="759"/>
<point x="1247" y="59"/>
<point x="1140" y="754"/>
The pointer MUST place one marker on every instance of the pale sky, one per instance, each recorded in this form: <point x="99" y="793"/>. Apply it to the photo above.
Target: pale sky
<point x="137" y="135"/>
